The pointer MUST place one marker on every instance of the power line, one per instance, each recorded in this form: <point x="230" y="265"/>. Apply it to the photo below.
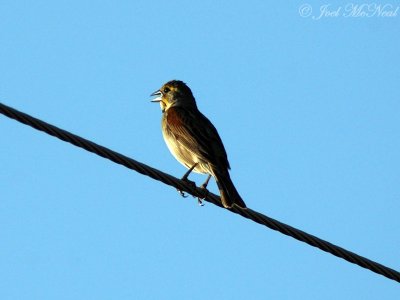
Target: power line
<point x="198" y="192"/>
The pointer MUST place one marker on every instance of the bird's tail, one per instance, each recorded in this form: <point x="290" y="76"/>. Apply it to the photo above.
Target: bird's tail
<point x="228" y="192"/>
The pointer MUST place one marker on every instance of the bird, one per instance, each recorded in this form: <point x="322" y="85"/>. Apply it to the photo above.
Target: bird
<point x="193" y="140"/>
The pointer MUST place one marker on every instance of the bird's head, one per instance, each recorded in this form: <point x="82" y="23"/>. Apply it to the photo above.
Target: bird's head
<point x="174" y="93"/>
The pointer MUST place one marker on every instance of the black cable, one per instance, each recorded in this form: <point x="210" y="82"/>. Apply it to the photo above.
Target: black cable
<point x="198" y="192"/>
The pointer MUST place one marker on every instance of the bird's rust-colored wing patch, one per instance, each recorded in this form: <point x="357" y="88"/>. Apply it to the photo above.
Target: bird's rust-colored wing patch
<point x="196" y="134"/>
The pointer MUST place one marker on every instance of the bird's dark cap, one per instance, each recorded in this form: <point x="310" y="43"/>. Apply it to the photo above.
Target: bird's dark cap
<point x="181" y="86"/>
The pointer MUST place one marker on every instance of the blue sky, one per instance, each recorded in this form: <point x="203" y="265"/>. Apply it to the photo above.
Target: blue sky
<point x="308" y="110"/>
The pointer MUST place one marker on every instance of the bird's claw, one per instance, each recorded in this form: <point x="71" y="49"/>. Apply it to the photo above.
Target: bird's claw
<point x="204" y="196"/>
<point x="191" y="183"/>
<point x="200" y="201"/>
<point x="182" y="193"/>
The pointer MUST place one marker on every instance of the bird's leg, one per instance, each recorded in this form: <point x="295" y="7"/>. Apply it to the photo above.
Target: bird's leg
<point x="185" y="178"/>
<point x="204" y="187"/>
<point x="186" y="175"/>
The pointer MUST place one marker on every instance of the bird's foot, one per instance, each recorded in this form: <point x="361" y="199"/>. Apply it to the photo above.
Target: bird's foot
<point x="200" y="201"/>
<point x="191" y="183"/>
<point x="205" y="194"/>
<point x="182" y="193"/>
<point x="185" y="178"/>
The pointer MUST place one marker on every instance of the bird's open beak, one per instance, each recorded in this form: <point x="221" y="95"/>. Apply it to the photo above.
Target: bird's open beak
<point x="158" y="94"/>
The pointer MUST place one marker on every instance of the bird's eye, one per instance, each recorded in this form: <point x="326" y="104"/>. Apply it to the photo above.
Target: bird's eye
<point x="166" y="90"/>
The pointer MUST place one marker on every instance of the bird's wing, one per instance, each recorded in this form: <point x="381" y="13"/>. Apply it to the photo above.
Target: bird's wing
<point x="197" y="134"/>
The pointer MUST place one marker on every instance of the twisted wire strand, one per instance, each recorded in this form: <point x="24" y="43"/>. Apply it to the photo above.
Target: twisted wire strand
<point x="198" y="192"/>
